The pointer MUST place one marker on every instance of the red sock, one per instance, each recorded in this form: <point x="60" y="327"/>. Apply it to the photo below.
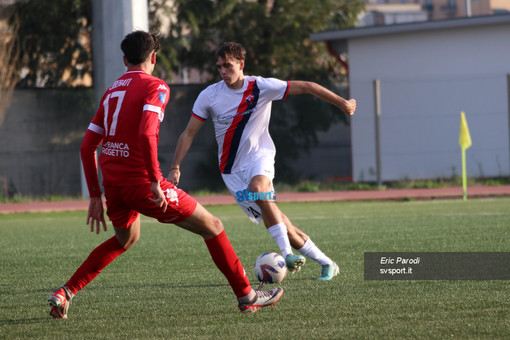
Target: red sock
<point x="99" y="258"/>
<point x="229" y="264"/>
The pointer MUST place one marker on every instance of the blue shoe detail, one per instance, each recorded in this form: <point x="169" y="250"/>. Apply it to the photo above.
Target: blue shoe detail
<point x="329" y="271"/>
<point x="294" y="262"/>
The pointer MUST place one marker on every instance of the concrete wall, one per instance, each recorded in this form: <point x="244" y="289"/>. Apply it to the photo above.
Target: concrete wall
<point x="40" y="138"/>
<point x="43" y="129"/>
<point x="427" y="79"/>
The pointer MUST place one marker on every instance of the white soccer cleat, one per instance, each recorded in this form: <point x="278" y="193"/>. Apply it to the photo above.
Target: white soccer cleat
<point x="263" y="298"/>
<point x="59" y="302"/>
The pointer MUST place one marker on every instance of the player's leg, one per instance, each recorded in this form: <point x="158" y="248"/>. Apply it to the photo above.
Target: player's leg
<point x="203" y="223"/>
<point x="126" y="223"/>
<point x="305" y="246"/>
<point x="103" y="255"/>
<point x="98" y="259"/>
<point x="275" y="224"/>
<point x="127" y="237"/>
<point x="127" y="232"/>
<point x="184" y="211"/>
<point x="297" y="238"/>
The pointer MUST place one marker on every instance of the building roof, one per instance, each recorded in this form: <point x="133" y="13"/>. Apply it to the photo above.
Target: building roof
<point x="360" y="32"/>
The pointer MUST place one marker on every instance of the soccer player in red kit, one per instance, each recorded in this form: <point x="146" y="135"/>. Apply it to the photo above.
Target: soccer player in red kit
<point x="127" y="123"/>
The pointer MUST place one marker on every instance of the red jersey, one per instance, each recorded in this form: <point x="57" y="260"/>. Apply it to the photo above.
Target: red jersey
<point x="127" y="122"/>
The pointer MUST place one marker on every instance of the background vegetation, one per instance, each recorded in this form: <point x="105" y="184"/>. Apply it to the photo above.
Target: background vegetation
<point x="56" y="51"/>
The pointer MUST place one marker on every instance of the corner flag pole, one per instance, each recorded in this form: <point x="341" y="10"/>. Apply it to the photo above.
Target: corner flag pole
<point x="464" y="176"/>
<point x="464" y="142"/>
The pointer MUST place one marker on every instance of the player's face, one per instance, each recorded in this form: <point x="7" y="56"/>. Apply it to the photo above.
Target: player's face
<point x="231" y="71"/>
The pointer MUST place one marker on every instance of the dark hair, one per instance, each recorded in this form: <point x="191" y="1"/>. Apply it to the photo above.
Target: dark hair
<point x="231" y="50"/>
<point x="138" y="46"/>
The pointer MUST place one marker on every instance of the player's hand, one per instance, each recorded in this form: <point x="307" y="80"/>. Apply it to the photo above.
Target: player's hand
<point x="159" y="196"/>
<point x="350" y="107"/>
<point x="173" y="176"/>
<point x="95" y="215"/>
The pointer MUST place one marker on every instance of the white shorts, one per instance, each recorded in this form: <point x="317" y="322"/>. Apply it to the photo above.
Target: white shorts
<point x="237" y="183"/>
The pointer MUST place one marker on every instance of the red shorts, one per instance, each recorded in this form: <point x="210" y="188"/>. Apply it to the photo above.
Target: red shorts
<point x="125" y="203"/>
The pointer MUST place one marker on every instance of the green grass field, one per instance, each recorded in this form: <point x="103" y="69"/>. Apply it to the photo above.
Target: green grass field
<point x="167" y="287"/>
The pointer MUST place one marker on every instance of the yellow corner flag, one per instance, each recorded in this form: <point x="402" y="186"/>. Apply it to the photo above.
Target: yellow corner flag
<point x="464" y="137"/>
<point x="464" y="142"/>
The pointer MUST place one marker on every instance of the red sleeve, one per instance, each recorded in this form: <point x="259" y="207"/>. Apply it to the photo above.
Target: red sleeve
<point x="88" y="158"/>
<point x="148" y="133"/>
<point x="286" y="91"/>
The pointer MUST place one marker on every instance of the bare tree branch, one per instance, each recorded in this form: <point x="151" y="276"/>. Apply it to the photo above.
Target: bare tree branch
<point x="9" y="52"/>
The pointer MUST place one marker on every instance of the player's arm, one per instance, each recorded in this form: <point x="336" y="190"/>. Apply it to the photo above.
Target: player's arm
<point x="148" y="135"/>
<point x="300" y="87"/>
<point x="183" y="145"/>
<point x="95" y="215"/>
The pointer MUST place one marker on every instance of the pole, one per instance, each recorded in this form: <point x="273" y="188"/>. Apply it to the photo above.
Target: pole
<point x="464" y="175"/>
<point x="377" y="117"/>
<point x="468" y="8"/>
<point x="465" y="143"/>
<point x="508" y="97"/>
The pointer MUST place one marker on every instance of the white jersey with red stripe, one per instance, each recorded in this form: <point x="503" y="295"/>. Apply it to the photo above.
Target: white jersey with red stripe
<point x="241" y="119"/>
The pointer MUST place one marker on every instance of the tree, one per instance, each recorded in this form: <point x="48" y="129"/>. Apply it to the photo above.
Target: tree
<point x="9" y="56"/>
<point x="275" y="34"/>
<point x="55" y="51"/>
<point x="54" y="42"/>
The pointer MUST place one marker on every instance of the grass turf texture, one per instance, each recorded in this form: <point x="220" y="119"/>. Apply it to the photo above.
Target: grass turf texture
<point x="167" y="286"/>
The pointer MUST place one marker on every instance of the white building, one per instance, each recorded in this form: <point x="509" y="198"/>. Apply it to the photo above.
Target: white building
<point x="428" y="72"/>
<point x="389" y="14"/>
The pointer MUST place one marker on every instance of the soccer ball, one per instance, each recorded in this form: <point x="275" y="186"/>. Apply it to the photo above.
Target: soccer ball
<point x="270" y="268"/>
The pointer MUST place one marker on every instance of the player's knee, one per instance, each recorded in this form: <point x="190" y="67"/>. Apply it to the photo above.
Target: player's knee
<point x="128" y="242"/>
<point x="213" y="228"/>
<point x="218" y="225"/>
<point x="257" y="187"/>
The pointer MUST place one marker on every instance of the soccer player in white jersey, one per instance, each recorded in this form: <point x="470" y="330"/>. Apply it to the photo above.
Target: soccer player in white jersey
<point x="240" y="108"/>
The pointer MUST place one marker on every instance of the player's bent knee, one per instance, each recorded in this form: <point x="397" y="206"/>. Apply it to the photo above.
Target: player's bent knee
<point x="214" y="228"/>
<point x="202" y="223"/>
<point x="127" y="243"/>
<point x="128" y="237"/>
<point x="257" y="187"/>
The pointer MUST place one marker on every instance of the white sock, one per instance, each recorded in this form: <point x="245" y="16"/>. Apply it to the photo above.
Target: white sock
<point x="310" y="249"/>
<point x="279" y="234"/>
